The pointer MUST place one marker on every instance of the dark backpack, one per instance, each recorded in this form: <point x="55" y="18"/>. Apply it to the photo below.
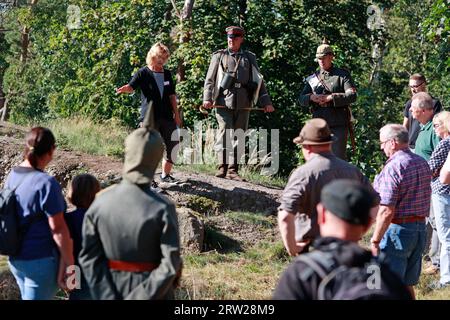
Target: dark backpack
<point x="10" y="231"/>
<point x="373" y="281"/>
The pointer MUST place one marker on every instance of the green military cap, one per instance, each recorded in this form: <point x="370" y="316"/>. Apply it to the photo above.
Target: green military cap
<point x="143" y="150"/>
<point x="349" y="200"/>
<point x="323" y="50"/>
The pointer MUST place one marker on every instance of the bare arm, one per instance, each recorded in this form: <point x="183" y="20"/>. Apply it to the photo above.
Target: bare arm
<point x="173" y="103"/>
<point x="444" y="177"/>
<point x="384" y="218"/>
<point x="63" y="241"/>
<point x="125" y="89"/>
<point x="405" y="123"/>
<point x="286" y="225"/>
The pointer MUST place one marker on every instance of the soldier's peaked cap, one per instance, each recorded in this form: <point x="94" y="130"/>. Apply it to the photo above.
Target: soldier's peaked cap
<point x="235" y="31"/>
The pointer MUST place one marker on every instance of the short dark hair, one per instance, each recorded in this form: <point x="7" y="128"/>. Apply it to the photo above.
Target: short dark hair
<point x="419" y="77"/>
<point x="38" y="142"/>
<point x="82" y="190"/>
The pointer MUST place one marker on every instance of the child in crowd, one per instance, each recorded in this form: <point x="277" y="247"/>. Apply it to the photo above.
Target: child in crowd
<point x="82" y="191"/>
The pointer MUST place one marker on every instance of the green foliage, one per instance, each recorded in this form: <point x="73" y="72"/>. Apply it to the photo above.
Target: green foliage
<point x="203" y="205"/>
<point x="75" y="71"/>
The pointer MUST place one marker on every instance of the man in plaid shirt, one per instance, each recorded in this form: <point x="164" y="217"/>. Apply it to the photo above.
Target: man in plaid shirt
<point x="405" y="192"/>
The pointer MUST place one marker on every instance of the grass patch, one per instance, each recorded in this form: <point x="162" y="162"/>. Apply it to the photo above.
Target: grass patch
<point x="203" y="205"/>
<point x="89" y="136"/>
<point x="216" y="240"/>
<point x="3" y="263"/>
<point x="247" y="275"/>
<point x="251" y="218"/>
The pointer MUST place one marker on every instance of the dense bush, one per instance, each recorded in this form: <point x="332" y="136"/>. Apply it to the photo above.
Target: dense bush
<point x="75" y="71"/>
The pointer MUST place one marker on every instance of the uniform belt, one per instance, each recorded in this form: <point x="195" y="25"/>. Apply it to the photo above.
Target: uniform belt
<point x="408" y="219"/>
<point x="131" y="266"/>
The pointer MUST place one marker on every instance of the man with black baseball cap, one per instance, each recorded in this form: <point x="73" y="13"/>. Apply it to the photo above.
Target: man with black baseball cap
<point x="344" y="216"/>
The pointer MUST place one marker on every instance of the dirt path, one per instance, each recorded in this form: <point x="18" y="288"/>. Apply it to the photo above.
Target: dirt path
<point x="206" y="191"/>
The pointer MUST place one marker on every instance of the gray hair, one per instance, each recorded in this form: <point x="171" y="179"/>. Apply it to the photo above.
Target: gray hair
<point x="396" y="132"/>
<point x="423" y="100"/>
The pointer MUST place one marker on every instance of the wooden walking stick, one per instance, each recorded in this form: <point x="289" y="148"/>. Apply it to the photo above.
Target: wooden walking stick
<point x="205" y="111"/>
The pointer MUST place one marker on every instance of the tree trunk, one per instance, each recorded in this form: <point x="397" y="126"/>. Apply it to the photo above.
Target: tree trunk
<point x="242" y="12"/>
<point x="25" y="39"/>
<point x="185" y="34"/>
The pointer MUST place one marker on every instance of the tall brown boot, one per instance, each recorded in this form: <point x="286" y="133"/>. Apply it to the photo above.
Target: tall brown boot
<point x="222" y="171"/>
<point x="233" y="173"/>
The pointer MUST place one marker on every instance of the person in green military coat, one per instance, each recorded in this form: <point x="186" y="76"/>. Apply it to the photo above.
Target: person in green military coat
<point x="232" y="85"/>
<point x="328" y="93"/>
<point x="130" y="247"/>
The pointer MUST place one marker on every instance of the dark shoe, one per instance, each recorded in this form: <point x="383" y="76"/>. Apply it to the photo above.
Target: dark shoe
<point x="155" y="188"/>
<point x="222" y="172"/>
<point x="170" y="180"/>
<point x="233" y="175"/>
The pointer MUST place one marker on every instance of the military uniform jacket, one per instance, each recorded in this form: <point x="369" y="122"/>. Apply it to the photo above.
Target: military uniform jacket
<point x="133" y="224"/>
<point x="337" y="82"/>
<point x="238" y="96"/>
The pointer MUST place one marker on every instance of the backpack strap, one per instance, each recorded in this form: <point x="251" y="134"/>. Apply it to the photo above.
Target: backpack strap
<point x="22" y="179"/>
<point x="323" y="265"/>
<point x="39" y="215"/>
<point x="313" y="264"/>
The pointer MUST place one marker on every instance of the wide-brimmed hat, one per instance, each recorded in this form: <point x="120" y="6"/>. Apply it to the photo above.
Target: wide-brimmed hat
<point x="315" y="132"/>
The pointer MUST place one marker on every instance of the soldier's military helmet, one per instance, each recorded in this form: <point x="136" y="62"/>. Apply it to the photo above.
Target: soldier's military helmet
<point x="323" y="50"/>
<point x="234" y="31"/>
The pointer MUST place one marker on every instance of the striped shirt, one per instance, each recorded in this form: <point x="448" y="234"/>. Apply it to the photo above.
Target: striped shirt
<point x="404" y="183"/>
<point x="436" y="163"/>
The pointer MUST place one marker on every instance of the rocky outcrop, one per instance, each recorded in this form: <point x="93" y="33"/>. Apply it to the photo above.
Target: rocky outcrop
<point x="192" y="230"/>
<point x="8" y="286"/>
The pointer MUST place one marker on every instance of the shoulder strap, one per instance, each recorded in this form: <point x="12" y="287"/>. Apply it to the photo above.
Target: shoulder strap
<point x="312" y="263"/>
<point x="38" y="216"/>
<point x="22" y="179"/>
<point x="322" y="82"/>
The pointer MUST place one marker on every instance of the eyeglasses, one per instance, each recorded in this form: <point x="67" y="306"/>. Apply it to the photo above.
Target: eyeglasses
<point x="417" y="85"/>
<point x="383" y="142"/>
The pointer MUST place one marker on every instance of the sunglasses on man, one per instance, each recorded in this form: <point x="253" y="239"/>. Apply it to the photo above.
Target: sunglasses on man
<point x="416" y="86"/>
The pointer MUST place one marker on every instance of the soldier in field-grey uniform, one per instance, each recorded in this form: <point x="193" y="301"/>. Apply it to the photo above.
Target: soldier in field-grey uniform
<point x="329" y="92"/>
<point x="233" y="84"/>
<point x="130" y="233"/>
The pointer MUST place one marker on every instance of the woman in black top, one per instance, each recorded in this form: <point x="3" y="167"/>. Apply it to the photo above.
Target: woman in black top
<point x="157" y="85"/>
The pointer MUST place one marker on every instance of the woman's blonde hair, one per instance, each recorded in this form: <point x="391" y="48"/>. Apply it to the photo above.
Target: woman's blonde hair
<point x="443" y="118"/>
<point x="157" y="50"/>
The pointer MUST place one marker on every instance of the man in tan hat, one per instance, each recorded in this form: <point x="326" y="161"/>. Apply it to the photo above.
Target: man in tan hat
<point x="131" y="244"/>
<point x="329" y="92"/>
<point x="232" y="85"/>
<point x="297" y="214"/>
